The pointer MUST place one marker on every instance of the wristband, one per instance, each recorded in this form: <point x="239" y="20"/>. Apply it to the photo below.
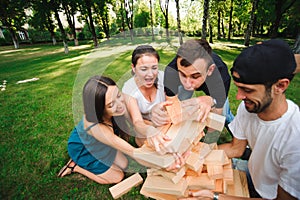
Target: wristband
<point x="214" y="103"/>
<point x="216" y="196"/>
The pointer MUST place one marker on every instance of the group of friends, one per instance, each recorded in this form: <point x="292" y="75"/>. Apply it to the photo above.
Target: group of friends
<point x="266" y="121"/>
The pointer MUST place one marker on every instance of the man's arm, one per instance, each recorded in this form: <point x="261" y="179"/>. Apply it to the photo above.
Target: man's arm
<point x="282" y="194"/>
<point x="235" y="148"/>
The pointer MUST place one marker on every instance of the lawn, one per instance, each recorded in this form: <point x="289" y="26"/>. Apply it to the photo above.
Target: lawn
<point x="37" y="117"/>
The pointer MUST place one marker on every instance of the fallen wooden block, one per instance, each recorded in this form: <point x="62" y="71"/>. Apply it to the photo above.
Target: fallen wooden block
<point x="219" y="185"/>
<point x="174" y="110"/>
<point x="228" y="174"/>
<point x="124" y="186"/>
<point x="190" y="172"/>
<point x="215" y="121"/>
<point x="179" y="132"/>
<point x="175" y="177"/>
<point x="240" y="183"/>
<point x="151" y="156"/>
<point x="194" y="162"/>
<point x="216" y="157"/>
<point x="215" y="171"/>
<point x="159" y="184"/>
<point x="200" y="182"/>
<point x="158" y="196"/>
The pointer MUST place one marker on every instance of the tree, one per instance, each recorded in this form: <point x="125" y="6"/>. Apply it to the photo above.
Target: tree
<point x="86" y="11"/>
<point x="13" y="16"/>
<point x="164" y="7"/>
<point x="178" y="22"/>
<point x="230" y="20"/>
<point x="251" y="23"/>
<point x="101" y="8"/>
<point x="205" y="18"/>
<point x="151" y="19"/>
<point x="42" y="18"/>
<point x="281" y="6"/>
<point x="129" y="16"/>
<point x="55" y="7"/>
<point x="70" y="8"/>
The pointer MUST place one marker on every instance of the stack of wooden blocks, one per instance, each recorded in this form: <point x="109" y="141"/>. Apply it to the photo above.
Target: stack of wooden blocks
<point x="206" y="167"/>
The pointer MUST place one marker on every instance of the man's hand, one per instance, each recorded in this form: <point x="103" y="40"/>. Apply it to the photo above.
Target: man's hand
<point x="159" y="115"/>
<point x="205" y="194"/>
<point x="197" y="108"/>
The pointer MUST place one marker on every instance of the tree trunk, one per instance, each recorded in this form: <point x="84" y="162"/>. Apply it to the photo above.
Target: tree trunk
<point x="210" y="33"/>
<point x="151" y="20"/>
<point x="205" y="17"/>
<point x="178" y="22"/>
<point x="297" y="45"/>
<point x="230" y="20"/>
<point x="88" y="6"/>
<point x="14" y="38"/>
<point x="63" y="33"/>
<point x="250" y="24"/>
<point x="74" y="32"/>
<point x="219" y="24"/>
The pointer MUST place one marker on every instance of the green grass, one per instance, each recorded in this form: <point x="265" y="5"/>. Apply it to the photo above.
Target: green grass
<point x="37" y="117"/>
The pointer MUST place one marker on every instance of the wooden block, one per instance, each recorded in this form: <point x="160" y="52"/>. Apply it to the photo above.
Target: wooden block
<point x="240" y="184"/>
<point x="200" y="182"/>
<point x="229" y="189"/>
<point x="215" y="121"/>
<point x="228" y="164"/>
<point x="124" y="186"/>
<point x="198" y="138"/>
<point x="215" y="171"/>
<point x="215" y="157"/>
<point x="146" y="154"/>
<point x="190" y="172"/>
<point x="175" y="177"/>
<point x="228" y="175"/>
<point x="194" y="162"/>
<point x="188" y="130"/>
<point x="205" y="150"/>
<point x="213" y="146"/>
<point x="158" y="196"/>
<point x="174" y="110"/>
<point x="219" y="185"/>
<point x="159" y="184"/>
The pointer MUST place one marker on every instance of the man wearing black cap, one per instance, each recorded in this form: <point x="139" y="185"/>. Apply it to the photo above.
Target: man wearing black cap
<point x="266" y="121"/>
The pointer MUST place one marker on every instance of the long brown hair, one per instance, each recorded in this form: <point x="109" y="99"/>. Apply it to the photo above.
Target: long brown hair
<point x="94" y="92"/>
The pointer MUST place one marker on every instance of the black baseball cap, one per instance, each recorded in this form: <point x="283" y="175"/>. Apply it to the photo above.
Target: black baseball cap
<point x="267" y="61"/>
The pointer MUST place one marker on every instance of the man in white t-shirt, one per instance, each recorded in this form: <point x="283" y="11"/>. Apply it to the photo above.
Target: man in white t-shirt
<point x="266" y="121"/>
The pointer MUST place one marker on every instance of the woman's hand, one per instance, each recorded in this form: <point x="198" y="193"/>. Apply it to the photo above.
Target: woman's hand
<point x="159" y="115"/>
<point x="158" y="141"/>
<point x="180" y="161"/>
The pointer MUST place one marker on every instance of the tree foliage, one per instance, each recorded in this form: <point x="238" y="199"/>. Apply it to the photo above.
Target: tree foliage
<point x="223" y="18"/>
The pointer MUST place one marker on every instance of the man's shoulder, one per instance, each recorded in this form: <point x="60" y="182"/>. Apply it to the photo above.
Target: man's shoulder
<point x="218" y="61"/>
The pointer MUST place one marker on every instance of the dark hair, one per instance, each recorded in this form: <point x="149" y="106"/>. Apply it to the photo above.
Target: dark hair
<point x="194" y="49"/>
<point x="94" y="93"/>
<point x="143" y="50"/>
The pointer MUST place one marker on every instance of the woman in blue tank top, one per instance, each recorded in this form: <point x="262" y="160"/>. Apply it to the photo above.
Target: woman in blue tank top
<point x="98" y="144"/>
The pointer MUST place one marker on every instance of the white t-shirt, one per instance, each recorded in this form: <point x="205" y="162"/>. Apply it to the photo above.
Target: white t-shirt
<point x="275" y="157"/>
<point x="145" y="106"/>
